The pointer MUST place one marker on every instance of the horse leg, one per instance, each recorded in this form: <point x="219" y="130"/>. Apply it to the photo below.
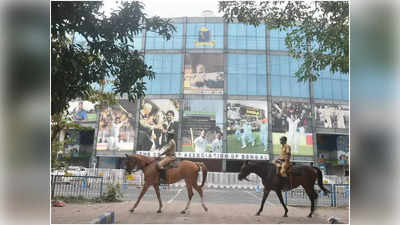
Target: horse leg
<point x="144" y="189"/>
<point x="190" y="195"/>
<point x="312" y="195"/>
<point x="157" y="189"/>
<point x="279" y="193"/>
<point x="266" y="192"/>
<point x="198" y="189"/>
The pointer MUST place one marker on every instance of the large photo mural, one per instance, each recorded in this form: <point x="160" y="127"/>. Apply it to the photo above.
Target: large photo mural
<point x="156" y="118"/>
<point x="202" y="126"/>
<point x="332" y="116"/>
<point x="293" y="120"/>
<point x="116" y="131"/>
<point x="247" y="126"/>
<point x="204" y="73"/>
<point x="82" y="111"/>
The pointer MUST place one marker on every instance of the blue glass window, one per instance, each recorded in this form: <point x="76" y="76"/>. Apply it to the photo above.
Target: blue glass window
<point x="155" y="41"/>
<point x="168" y="73"/>
<point x="277" y="40"/>
<point x="137" y="41"/>
<point x="242" y="36"/>
<point x="205" y="35"/>
<point x="283" y="77"/>
<point x="247" y="74"/>
<point x="331" y="86"/>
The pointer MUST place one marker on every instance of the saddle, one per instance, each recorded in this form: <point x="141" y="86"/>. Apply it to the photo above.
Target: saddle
<point x="163" y="172"/>
<point x="173" y="164"/>
<point x="287" y="182"/>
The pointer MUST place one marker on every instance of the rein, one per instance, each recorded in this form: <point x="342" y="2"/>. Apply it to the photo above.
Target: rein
<point x="141" y="168"/>
<point x="252" y="181"/>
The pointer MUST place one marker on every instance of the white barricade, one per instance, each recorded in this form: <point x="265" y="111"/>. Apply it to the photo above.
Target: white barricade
<point x="217" y="180"/>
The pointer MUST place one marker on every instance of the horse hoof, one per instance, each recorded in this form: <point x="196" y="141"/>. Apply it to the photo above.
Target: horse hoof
<point x="309" y="216"/>
<point x="159" y="211"/>
<point x="183" y="212"/>
<point x="131" y="210"/>
<point x="257" y="214"/>
<point x="285" y="215"/>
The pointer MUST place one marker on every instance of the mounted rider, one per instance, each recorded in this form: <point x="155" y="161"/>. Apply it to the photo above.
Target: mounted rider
<point x="168" y="150"/>
<point x="283" y="163"/>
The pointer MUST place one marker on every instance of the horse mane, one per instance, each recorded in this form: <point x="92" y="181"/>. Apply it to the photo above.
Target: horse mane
<point x="144" y="159"/>
<point x="263" y="168"/>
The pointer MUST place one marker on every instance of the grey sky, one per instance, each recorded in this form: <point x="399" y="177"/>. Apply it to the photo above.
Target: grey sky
<point x="173" y="8"/>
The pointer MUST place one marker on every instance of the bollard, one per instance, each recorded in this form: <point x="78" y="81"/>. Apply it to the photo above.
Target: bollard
<point x="106" y="218"/>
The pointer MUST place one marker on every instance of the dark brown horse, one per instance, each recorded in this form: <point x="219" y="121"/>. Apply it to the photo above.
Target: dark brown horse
<point x="304" y="176"/>
<point x="186" y="170"/>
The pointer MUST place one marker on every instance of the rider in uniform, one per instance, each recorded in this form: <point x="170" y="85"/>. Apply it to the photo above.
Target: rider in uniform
<point x="169" y="152"/>
<point x="284" y="158"/>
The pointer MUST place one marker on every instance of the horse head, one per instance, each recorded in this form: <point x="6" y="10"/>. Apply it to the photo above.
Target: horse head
<point x="131" y="164"/>
<point x="245" y="170"/>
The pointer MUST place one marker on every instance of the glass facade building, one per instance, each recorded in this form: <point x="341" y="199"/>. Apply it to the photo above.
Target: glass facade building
<point x="237" y="84"/>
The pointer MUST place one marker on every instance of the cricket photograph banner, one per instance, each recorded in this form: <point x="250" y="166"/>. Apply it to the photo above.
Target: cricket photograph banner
<point x="156" y="118"/>
<point x="82" y="111"/>
<point x="204" y="73"/>
<point x="247" y="126"/>
<point x="202" y="126"/>
<point x="292" y="120"/>
<point x="342" y="146"/>
<point x="332" y="116"/>
<point x="116" y="131"/>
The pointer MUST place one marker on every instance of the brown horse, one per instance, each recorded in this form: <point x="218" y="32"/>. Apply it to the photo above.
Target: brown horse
<point x="304" y="176"/>
<point x="186" y="170"/>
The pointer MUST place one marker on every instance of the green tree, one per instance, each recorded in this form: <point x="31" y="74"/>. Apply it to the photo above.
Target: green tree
<point x="108" y="53"/>
<point x="318" y="32"/>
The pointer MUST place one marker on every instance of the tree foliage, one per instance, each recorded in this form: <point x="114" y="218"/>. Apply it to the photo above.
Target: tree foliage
<point x="107" y="54"/>
<point x="318" y="32"/>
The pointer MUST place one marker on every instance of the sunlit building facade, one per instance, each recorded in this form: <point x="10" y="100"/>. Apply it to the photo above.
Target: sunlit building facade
<point x="229" y="91"/>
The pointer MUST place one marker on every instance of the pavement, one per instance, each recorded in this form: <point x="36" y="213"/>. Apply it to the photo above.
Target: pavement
<point x="225" y="206"/>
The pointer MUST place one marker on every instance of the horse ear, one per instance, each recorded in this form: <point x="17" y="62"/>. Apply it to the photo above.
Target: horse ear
<point x="127" y="156"/>
<point x="246" y="162"/>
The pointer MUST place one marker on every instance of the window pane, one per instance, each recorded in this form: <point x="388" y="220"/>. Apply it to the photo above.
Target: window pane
<point x="285" y="86"/>
<point x="168" y="72"/>
<point x="247" y="74"/>
<point x="246" y="36"/>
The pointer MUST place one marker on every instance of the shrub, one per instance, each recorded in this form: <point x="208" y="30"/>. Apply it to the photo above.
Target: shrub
<point x="113" y="193"/>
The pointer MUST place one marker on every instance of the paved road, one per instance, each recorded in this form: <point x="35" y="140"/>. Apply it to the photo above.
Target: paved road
<point x="219" y="196"/>
<point x="225" y="207"/>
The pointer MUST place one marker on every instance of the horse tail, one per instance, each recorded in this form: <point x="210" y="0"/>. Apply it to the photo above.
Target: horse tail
<point x="204" y="170"/>
<point x="320" y="184"/>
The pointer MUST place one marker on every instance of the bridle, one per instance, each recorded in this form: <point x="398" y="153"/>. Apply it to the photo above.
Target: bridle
<point x="135" y="170"/>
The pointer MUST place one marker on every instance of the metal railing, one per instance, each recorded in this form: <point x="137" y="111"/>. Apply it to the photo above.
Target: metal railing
<point x="339" y="195"/>
<point x="76" y="186"/>
<point x="117" y="176"/>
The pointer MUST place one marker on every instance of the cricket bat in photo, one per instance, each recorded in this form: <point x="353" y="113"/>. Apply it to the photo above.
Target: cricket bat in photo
<point x="123" y="109"/>
<point x="191" y="134"/>
<point x="277" y="107"/>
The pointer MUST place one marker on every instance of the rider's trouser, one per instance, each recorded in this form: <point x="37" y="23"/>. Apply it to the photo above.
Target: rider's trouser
<point x="284" y="165"/>
<point x="166" y="160"/>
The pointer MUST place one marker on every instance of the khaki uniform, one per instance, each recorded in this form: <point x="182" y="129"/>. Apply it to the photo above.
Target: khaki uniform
<point x="285" y="159"/>
<point x="170" y="150"/>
